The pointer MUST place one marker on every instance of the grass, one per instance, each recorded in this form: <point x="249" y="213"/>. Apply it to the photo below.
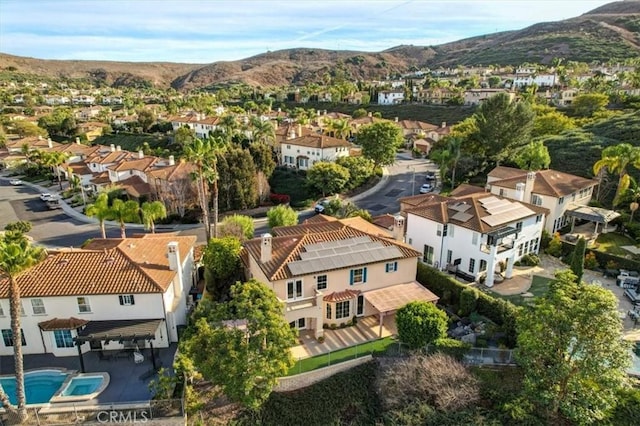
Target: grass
<point x="133" y="141"/>
<point x="612" y="242"/>
<point x="353" y="352"/>
<point x="539" y="287"/>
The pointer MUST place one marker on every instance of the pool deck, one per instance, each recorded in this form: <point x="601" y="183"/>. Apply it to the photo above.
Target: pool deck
<point x="125" y="385"/>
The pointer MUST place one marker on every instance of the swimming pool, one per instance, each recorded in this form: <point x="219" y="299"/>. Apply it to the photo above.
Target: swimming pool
<point x="82" y="385"/>
<point x="40" y="385"/>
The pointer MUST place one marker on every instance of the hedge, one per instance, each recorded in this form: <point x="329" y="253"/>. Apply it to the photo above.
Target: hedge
<point x="500" y="311"/>
<point x="604" y="258"/>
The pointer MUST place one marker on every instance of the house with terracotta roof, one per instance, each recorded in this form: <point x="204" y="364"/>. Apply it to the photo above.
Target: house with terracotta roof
<point x="327" y="273"/>
<point x="474" y="234"/>
<point x="304" y="151"/>
<point x="109" y="289"/>
<point x="556" y="191"/>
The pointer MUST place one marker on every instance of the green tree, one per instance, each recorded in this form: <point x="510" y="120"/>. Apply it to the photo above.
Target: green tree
<point x="327" y="177"/>
<point x="123" y="212"/>
<point x="281" y="215"/>
<point x="550" y="121"/>
<point x="24" y="128"/>
<point x="616" y="159"/>
<point x="237" y="179"/>
<point x="21" y="226"/>
<point x="577" y="259"/>
<point x="16" y="256"/>
<point x="146" y="119"/>
<point x="501" y="126"/>
<point x="243" y="345"/>
<point x="360" y="170"/>
<point x="222" y="266"/>
<point x="360" y="113"/>
<point x="587" y="104"/>
<point x="184" y="136"/>
<point x="420" y="323"/>
<point x="571" y="350"/>
<point x="468" y="301"/>
<point x="101" y="211"/>
<point x="263" y="131"/>
<point x="243" y="224"/>
<point x="379" y="142"/>
<point x="534" y="156"/>
<point x="55" y="159"/>
<point x="152" y="211"/>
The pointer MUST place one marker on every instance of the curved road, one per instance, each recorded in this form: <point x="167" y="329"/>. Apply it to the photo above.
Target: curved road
<point x="53" y="228"/>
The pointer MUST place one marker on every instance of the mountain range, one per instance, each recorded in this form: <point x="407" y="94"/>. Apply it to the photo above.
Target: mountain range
<point x="608" y="33"/>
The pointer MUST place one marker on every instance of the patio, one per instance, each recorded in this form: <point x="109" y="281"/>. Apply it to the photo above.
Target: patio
<point x="126" y="384"/>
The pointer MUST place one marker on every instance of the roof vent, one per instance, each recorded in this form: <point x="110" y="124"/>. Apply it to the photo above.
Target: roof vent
<point x="63" y="261"/>
<point x="109" y="260"/>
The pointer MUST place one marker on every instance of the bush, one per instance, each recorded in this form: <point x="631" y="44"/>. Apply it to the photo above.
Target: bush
<point x="468" y="301"/>
<point x="452" y="347"/>
<point x="530" y="259"/>
<point x="590" y="261"/>
<point x="555" y="246"/>
<point x="420" y="323"/>
<point x="279" y="198"/>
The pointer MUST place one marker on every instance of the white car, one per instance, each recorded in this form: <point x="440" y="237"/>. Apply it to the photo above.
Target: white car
<point x="426" y="188"/>
<point x="45" y="196"/>
<point x="15" y="182"/>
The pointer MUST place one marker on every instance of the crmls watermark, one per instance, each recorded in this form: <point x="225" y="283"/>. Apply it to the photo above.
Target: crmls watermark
<point x="115" y="416"/>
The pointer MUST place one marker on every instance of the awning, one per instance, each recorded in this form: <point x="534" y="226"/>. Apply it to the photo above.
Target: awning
<point x="340" y="296"/>
<point x="392" y="298"/>
<point x="56" y="324"/>
<point x="592" y="214"/>
<point x="503" y="232"/>
<point x="120" y="330"/>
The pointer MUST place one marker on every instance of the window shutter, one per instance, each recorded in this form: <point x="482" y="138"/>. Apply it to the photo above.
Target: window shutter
<point x="364" y="275"/>
<point x="386" y="267"/>
<point x="121" y="300"/>
<point x="351" y="278"/>
<point x="133" y="301"/>
<point x="395" y="266"/>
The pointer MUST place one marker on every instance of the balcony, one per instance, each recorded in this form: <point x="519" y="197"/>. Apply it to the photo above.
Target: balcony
<point x="298" y="304"/>
<point x="502" y="247"/>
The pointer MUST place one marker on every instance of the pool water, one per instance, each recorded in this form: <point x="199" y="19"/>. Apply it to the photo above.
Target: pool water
<point x="82" y="385"/>
<point x="39" y="385"/>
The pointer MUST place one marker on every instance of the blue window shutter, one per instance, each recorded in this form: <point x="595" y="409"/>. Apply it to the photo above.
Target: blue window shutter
<point x="121" y="301"/>
<point x="133" y="301"/>
<point x="395" y="266"/>
<point x="386" y="267"/>
<point x="364" y="275"/>
<point x="351" y="278"/>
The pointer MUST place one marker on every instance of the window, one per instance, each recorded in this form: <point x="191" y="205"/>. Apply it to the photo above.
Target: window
<point x="1" y="311"/>
<point x="483" y="265"/>
<point x="449" y="256"/>
<point x="474" y="239"/>
<point x="427" y="256"/>
<point x="83" y="305"/>
<point x="358" y="276"/>
<point x="536" y="200"/>
<point x="38" y="307"/>
<point x="560" y="200"/>
<point x="502" y="192"/>
<point x="534" y="245"/>
<point x="321" y="282"/>
<point x="445" y="228"/>
<point x="300" y="324"/>
<point x="328" y="311"/>
<point x="343" y="309"/>
<point x="519" y="249"/>
<point x="472" y="265"/>
<point x="391" y="267"/>
<point x="63" y="338"/>
<point x="7" y="336"/>
<point x="439" y="231"/>
<point x="294" y="290"/>
<point x="360" y="305"/>
<point x="519" y="226"/>
<point x="539" y="218"/>
<point x="127" y="299"/>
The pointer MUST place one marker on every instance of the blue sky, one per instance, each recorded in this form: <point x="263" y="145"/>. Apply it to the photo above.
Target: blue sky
<point x="214" y="30"/>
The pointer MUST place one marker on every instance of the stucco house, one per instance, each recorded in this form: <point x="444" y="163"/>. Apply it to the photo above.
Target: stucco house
<point x="327" y="273"/>
<point x="556" y="191"/>
<point x="390" y="97"/>
<point x="304" y="151"/>
<point x="109" y="289"/>
<point x="472" y="234"/>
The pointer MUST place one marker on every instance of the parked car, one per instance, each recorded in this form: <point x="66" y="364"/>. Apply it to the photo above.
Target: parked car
<point x="426" y="188"/>
<point x="320" y="205"/>
<point x="54" y="203"/>
<point x="45" y="196"/>
<point x="429" y="176"/>
<point x="15" y="182"/>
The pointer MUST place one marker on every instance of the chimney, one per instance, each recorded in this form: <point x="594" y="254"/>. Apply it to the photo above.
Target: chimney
<point x="112" y="147"/>
<point x="370" y="114"/>
<point x="398" y="228"/>
<point x="292" y="134"/>
<point x="528" y="188"/>
<point x="279" y="109"/>
<point x="443" y="124"/>
<point x="78" y="141"/>
<point x="275" y="125"/>
<point x="265" y="248"/>
<point x="395" y="119"/>
<point x="140" y="154"/>
<point x="118" y="148"/>
<point x="172" y="160"/>
<point x="324" y="112"/>
<point x="520" y="187"/>
<point x="49" y="143"/>
<point x="299" y="130"/>
<point x="173" y="254"/>
<point x="39" y="137"/>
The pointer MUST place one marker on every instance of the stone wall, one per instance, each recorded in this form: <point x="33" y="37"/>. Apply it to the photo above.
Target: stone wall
<point x="303" y="380"/>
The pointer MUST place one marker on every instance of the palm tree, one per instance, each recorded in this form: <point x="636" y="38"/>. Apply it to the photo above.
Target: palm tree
<point x="263" y="131"/>
<point x="454" y="146"/>
<point x="54" y="159"/>
<point x="152" y="211"/>
<point x="100" y="210"/>
<point x="202" y="153"/>
<point x="616" y="159"/>
<point x="229" y="126"/>
<point x="339" y="128"/>
<point x="16" y="256"/>
<point x="123" y="212"/>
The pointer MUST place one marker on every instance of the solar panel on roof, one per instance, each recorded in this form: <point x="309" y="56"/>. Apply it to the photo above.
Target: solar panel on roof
<point x="461" y="216"/>
<point x="309" y="266"/>
<point x="461" y="207"/>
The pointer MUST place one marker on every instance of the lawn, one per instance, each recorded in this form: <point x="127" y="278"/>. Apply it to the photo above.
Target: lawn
<point x="353" y="352"/>
<point x="539" y="287"/>
<point x="612" y="243"/>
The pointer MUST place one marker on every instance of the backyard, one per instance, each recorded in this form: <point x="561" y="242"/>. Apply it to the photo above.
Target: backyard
<point x="539" y="287"/>
<point x="612" y="243"/>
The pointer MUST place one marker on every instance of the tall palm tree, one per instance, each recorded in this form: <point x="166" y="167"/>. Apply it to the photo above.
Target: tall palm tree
<point x="229" y="126"/>
<point x="123" y="212"/>
<point x="454" y="146"/>
<point x="263" y="131"/>
<point x="616" y="159"/>
<point x="152" y="211"/>
<point x="201" y="153"/>
<point x="16" y="256"/>
<point x="100" y="210"/>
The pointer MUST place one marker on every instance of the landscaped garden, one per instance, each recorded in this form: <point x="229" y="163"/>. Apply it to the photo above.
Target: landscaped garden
<point x="539" y="287"/>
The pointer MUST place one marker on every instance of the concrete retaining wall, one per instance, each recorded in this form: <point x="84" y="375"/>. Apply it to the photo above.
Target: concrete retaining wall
<point x="303" y="380"/>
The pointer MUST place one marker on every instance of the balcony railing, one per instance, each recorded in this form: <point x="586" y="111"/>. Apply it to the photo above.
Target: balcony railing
<point x="485" y="248"/>
<point x="294" y="305"/>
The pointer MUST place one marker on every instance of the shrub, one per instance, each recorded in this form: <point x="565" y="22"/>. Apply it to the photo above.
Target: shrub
<point x="333" y="326"/>
<point x="555" y="246"/>
<point x="468" y="301"/>
<point x="545" y="239"/>
<point x="530" y="259"/>
<point x="452" y="347"/>
<point x="279" y="198"/>
<point x="420" y="323"/>
<point x="590" y="261"/>
<point x="321" y="339"/>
